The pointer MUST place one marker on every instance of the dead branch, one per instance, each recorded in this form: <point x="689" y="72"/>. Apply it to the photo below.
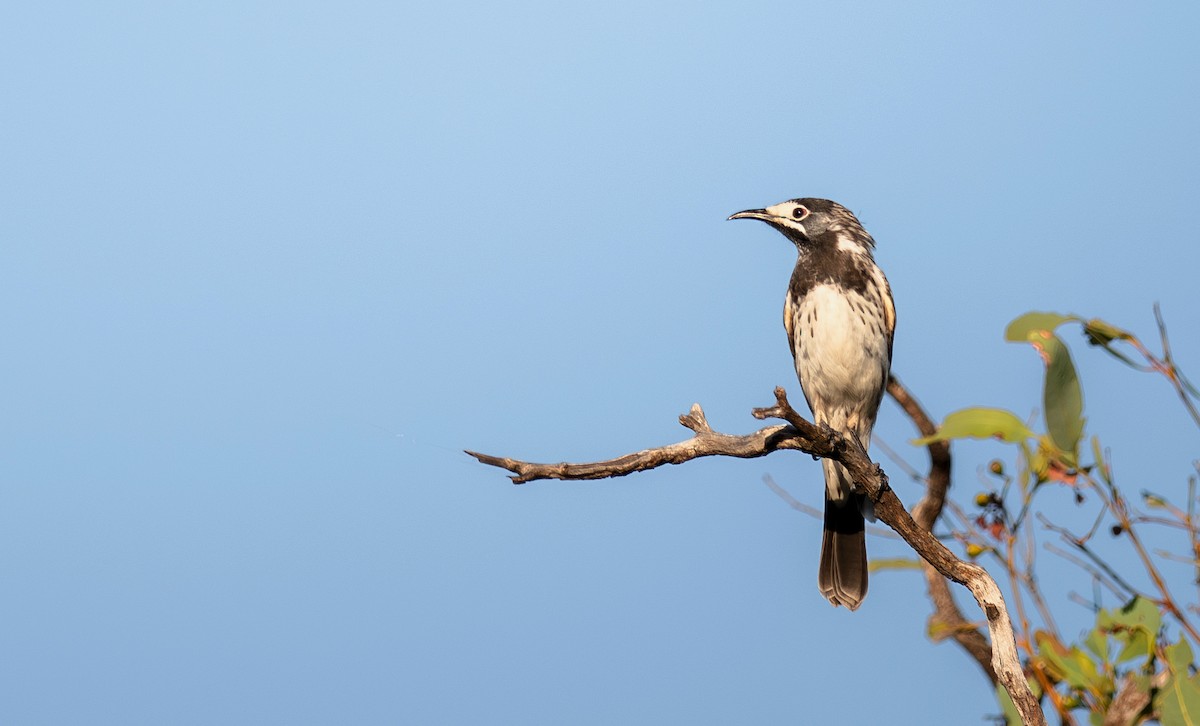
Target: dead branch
<point x="705" y="442"/>
<point x="819" y="441"/>
<point x="947" y="620"/>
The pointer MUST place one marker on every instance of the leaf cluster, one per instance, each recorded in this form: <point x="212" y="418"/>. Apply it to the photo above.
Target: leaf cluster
<point x="1128" y="668"/>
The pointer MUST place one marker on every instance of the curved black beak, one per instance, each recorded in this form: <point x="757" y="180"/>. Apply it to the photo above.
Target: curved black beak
<point x="759" y="214"/>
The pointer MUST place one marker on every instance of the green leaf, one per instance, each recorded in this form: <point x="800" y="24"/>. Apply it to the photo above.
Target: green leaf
<point x="1101" y="464"/>
<point x="1026" y="476"/>
<point x="1104" y="335"/>
<point x="1136" y="625"/>
<point x="1062" y="396"/>
<point x="1153" y="501"/>
<point x="1137" y="645"/>
<point x="893" y="563"/>
<point x="1046" y="454"/>
<point x="1019" y="330"/>
<point x="1099" y="332"/>
<point x="1179" y="657"/>
<point x="1179" y="701"/>
<point x="1073" y="666"/>
<point x="1097" y="642"/>
<point x="980" y="423"/>
<point x="1137" y="613"/>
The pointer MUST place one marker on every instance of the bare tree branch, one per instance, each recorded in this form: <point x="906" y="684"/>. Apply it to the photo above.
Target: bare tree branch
<point x="930" y="507"/>
<point x="706" y="442"/>
<point x="867" y="476"/>
<point x="947" y="620"/>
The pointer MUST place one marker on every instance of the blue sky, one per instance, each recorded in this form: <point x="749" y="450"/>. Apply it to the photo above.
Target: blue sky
<point x="268" y="267"/>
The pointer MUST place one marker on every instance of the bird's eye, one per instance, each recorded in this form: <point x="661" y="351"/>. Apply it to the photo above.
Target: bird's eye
<point x="799" y="213"/>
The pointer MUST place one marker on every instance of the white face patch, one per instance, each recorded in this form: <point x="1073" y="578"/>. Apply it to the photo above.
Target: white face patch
<point x="785" y="211"/>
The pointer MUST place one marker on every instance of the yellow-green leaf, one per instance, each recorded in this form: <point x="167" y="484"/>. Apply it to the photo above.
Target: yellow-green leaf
<point x="1018" y="331"/>
<point x="1136" y="625"/>
<point x="1062" y="395"/>
<point x="1179" y="701"/>
<point x="893" y="563"/>
<point x="1137" y="613"/>
<point x="1102" y="333"/>
<point x="1073" y="666"/>
<point x="1101" y="464"/>
<point x="980" y="423"/>
<point x="1097" y="642"/>
<point x="1153" y="501"/>
<point x="1179" y="657"/>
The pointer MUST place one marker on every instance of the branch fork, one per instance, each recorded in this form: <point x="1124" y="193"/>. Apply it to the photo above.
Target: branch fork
<point x="822" y="442"/>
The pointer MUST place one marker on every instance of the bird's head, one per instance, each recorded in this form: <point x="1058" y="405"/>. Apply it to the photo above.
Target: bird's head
<point x="812" y="222"/>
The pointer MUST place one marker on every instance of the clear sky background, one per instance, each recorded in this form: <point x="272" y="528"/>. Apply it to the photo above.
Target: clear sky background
<point x="267" y="267"/>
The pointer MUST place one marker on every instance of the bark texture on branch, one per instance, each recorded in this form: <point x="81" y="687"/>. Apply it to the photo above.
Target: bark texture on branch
<point x="947" y="620"/>
<point x="706" y="442"/>
<point x="820" y="441"/>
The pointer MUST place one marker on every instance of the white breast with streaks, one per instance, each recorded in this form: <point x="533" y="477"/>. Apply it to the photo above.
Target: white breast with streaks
<point x="841" y="353"/>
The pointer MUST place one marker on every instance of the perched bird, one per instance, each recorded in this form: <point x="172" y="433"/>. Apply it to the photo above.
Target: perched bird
<point x="840" y="319"/>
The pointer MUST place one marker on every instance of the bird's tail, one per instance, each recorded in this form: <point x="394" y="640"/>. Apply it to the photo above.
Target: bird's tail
<point x="842" y="575"/>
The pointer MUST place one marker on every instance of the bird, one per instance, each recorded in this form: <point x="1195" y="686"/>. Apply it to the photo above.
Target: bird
<point x="840" y="320"/>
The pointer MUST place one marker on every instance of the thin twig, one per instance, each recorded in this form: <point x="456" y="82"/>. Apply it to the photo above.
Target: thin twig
<point x="1081" y="545"/>
<point x="898" y="460"/>
<point x="1116" y="504"/>
<point x="1081" y="600"/>
<point x="1096" y="574"/>
<point x="1031" y="582"/>
<point x="1169" y="369"/>
<point x="1191" y="522"/>
<point x="813" y="512"/>
<point x="1163" y="521"/>
<point x="1175" y="558"/>
<point x="792" y="502"/>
